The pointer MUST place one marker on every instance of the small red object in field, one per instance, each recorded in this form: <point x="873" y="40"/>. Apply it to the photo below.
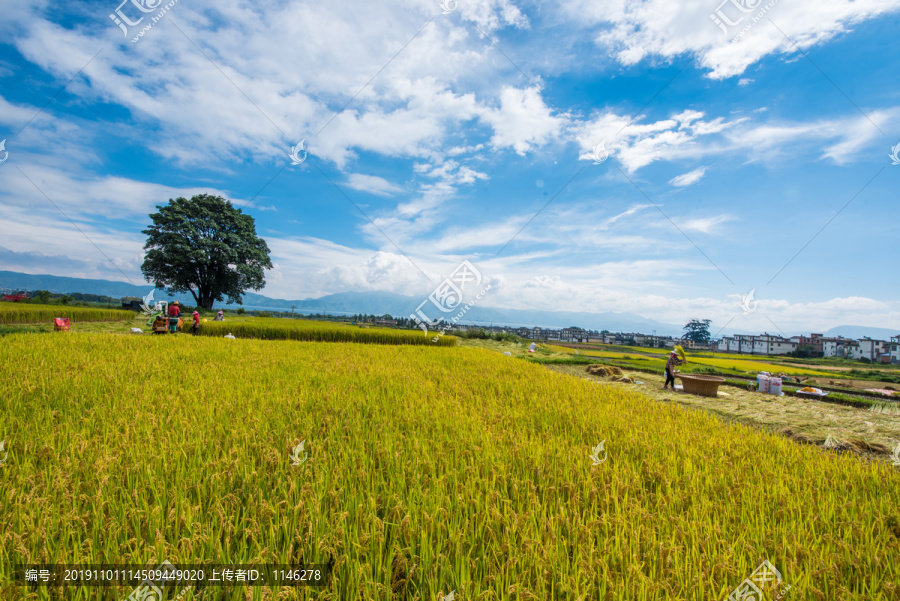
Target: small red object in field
<point x="60" y="324"/>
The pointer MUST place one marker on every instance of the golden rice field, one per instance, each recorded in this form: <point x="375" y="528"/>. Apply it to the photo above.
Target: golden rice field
<point x="757" y="366"/>
<point x="649" y="350"/>
<point x="272" y="328"/>
<point x="746" y="365"/>
<point x="429" y="470"/>
<point x="21" y="313"/>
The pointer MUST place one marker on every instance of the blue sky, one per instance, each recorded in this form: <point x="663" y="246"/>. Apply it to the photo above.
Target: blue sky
<point x="758" y="162"/>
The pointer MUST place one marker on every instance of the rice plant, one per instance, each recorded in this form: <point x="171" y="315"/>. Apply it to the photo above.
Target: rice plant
<point x="886" y="408"/>
<point x="20" y="313"/>
<point x="320" y="331"/>
<point x="425" y="470"/>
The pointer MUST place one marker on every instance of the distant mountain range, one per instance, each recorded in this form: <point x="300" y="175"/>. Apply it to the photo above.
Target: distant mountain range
<point x="349" y="303"/>
<point x="857" y="332"/>
<point x="380" y="303"/>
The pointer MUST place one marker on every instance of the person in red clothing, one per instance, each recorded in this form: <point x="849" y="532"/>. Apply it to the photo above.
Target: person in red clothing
<point x="174" y="316"/>
<point x="196" y="327"/>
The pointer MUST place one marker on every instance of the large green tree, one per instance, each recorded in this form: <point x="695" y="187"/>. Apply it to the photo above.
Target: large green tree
<point x="207" y="247"/>
<point x="697" y="330"/>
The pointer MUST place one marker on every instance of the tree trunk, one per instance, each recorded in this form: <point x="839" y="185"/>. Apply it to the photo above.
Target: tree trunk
<point x="205" y="300"/>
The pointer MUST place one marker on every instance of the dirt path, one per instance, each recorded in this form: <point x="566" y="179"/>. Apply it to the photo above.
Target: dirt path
<point x="821" y="367"/>
<point x="860" y="384"/>
<point x="867" y="433"/>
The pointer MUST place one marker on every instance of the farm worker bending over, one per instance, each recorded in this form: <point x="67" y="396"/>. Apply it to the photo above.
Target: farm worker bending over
<point x="220" y="316"/>
<point x="196" y="327"/>
<point x="174" y="316"/>
<point x="670" y="369"/>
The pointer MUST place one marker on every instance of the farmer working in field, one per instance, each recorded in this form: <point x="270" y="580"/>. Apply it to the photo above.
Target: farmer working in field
<point x="196" y="327"/>
<point x="174" y="316"/>
<point x="670" y="369"/>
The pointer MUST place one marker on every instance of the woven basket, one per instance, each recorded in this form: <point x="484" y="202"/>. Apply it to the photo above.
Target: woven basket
<point x="702" y="385"/>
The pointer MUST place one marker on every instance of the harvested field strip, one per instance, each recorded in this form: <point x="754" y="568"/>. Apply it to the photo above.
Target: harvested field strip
<point x="740" y="365"/>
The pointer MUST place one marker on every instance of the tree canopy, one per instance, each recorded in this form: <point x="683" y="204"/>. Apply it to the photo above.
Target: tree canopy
<point x="207" y="247"/>
<point x="697" y="330"/>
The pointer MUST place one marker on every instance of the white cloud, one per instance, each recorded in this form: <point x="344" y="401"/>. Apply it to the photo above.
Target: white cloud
<point x="623" y="214"/>
<point x="704" y="225"/>
<point x="372" y="184"/>
<point x="460" y="239"/>
<point x="839" y="139"/>
<point x="522" y="121"/>
<point x="636" y="144"/>
<point x="90" y="196"/>
<point x="490" y="15"/>
<point x="450" y="172"/>
<point x="689" y="178"/>
<point x="634" y="31"/>
<point x="561" y="231"/>
<point x="104" y="252"/>
<point x="691" y="136"/>
<point x="412" y="219"/>
<point x="411" y="109"/>
<point x="260" y="108"/>
<point x="858" y="133"/>
<point x="538" y="282"/>
<point x="467" y="175"/>
<point x="782" y="316"/>
<point x="383" y="271"/>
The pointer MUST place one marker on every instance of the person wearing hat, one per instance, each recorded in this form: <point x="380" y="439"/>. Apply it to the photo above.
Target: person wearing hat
<point x="670" y="369"/>
<point x="195" y="329"/>
<point x="220" y="316"/>
<point x="174" y="316"/>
